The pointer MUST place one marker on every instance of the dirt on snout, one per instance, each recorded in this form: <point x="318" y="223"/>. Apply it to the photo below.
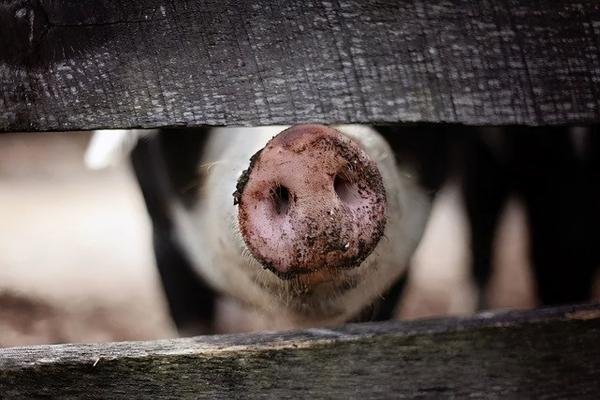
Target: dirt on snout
<point x="312" y="198"/>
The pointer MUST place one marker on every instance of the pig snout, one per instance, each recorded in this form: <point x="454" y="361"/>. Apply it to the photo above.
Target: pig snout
<point x="311" y="201"/>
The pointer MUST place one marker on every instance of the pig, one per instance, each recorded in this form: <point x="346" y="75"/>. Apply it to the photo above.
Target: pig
<point x="555" y="173"/>
<point x="315" y="225"/>
<point x="312" y="225"/>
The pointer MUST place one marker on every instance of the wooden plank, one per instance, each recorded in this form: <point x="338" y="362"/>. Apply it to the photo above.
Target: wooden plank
<point x="69" y="65"/>
<point x="549" y="353"/>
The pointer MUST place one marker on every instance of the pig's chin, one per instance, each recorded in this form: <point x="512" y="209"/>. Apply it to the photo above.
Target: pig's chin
<point x="313" y="276"/>
<point x="323" y="294"/>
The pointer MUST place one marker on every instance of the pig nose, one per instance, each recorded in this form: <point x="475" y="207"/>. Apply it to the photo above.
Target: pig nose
<point x="311" y="201"/>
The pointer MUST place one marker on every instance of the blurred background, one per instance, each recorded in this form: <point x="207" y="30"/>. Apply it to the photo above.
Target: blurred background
<point x="76" y="262"/>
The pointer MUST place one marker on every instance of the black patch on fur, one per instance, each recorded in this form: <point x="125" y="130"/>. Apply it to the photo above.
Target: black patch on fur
<point x="182" y="149"/>
<point x="561" y="196"/>
<point x="427" y="149"/>
<point x="163" y="165"/>
<point x="385" y="306"/>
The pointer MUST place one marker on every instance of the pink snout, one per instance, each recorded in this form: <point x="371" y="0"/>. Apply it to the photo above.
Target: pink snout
<point x="311" y="201"/>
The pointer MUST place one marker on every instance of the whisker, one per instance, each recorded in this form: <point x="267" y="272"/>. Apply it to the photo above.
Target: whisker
<point x="204" y="170"/>
<point x="209" y="165"/>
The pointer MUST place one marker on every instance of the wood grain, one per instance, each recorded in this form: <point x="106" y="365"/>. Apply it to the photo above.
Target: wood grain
<point x="548" y="353"/>
<point x="87" y="64"/>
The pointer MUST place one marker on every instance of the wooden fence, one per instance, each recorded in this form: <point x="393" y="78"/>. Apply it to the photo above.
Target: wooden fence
<point x="548" y="353"/>
<point x="88" y="64"/>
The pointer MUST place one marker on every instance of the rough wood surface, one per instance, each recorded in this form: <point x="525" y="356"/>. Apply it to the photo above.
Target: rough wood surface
<point x="72" y="64"/>
<point x="550" y="353"/>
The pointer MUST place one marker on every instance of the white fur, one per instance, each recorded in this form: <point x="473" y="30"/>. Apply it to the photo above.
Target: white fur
<point x="211" y="236"/>
<point x="110" y="147"/>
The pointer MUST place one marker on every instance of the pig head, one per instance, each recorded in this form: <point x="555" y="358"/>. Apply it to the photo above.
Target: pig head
<point x="321" y="223"/>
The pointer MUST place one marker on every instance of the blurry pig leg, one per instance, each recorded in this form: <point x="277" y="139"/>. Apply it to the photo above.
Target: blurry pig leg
<point x="164" y="165"/>
<point x="485" y="190"/>
<point x="385" y="308"/>
<point x="592" y="166"/>
<point x="561" y="197"/>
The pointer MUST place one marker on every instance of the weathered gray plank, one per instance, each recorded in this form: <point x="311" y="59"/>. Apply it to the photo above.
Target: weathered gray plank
<point x="551" y="353"/>
<point x="72" y="64"/>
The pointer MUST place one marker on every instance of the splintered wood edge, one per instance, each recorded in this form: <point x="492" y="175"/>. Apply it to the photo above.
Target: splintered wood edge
<point x="16" y="358"/>
<point x="545" y="353"/>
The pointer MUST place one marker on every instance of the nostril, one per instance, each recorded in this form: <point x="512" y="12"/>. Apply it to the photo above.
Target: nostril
<point x="344" y="188"/>
<point x="281" y="199"/>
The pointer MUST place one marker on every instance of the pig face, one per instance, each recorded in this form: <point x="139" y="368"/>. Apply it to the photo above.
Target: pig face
<point x="311" y="222"/>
